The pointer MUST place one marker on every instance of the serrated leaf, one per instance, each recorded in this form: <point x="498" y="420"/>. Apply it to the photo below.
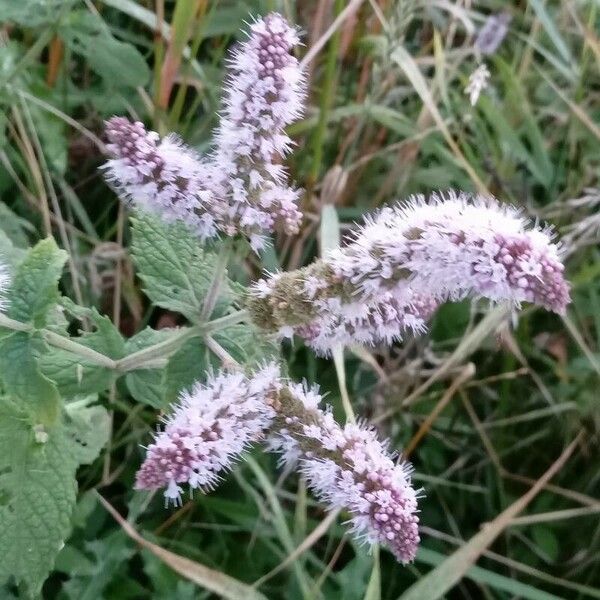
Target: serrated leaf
<point x="118" y="63"/>
<point x="247" y="344"/>
<point x="37" y="494"/>
<point x="147" y="385"/>
<point x="22" y="379"/>
<point x="34" y="289"/>
<point x="176" y="271"/>
<point x="75" y="375"/>
<point x="188" y="365"/>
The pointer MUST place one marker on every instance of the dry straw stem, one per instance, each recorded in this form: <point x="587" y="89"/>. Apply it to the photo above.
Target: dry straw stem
<point x="464" y="375"/>
<point x="444" y="577"/>
<point x="209" y="579"/>
<point x="352" y="7"/>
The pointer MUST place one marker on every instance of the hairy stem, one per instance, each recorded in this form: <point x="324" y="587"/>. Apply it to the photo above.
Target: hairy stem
<point x="217" y="281"/>
<point x="148" y="358"/>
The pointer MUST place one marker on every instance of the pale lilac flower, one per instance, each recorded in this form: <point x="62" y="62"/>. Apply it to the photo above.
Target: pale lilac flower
<point x="4" y="285"/>
<point x="492" y="33"/>
<point x="349" y="468"/>
<point x="452" y="246"/>
<point x="264" y="93"/>
<point x="163" y="176"/>
<point x="368" y="324"/>
<point x="208" y="430"/>
<point x="478" y="81"/>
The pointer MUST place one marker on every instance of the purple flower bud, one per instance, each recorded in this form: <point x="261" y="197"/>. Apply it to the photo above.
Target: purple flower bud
<point x="492" y="33"/>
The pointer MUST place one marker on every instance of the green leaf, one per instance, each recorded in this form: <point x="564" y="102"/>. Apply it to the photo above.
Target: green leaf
<point x="118" y="63"/>
<point x="34" y="289"/>
<point x="89" y="428"/>
<point x="147" y="385"/>
<point x="32" y="13"/>
<point x="14" y="227"/>
<point x="247" y="344"/>
<point x="188" y="365"/>
<point x="10" y="255"/>
<point x="176" y="271"/>
<point x="37" y="494"/>
<point x="23" y="380"/>
<point x="73" y="374"/>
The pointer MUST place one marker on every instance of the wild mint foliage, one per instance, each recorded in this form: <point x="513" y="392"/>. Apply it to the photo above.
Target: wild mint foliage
<point x="175" y="269"/>
<point x="185" y="318"/>
<point x="56" y="356"/>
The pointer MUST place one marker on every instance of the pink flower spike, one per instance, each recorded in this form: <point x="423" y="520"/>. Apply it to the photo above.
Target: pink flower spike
<point x="349" y="468"/>
<point x="452" y="246"/>
<point x="209" y="429"/>
<point x="264" y="93"/>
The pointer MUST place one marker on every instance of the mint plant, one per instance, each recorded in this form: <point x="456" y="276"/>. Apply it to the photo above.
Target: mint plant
<point x="220" y="381"/>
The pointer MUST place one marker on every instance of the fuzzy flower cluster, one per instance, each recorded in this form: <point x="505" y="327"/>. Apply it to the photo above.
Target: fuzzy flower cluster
<point x="4" y="285"/>
<point x="264" y="94"/>
<point x="209" y="429"/>
<point x="368" y="324"/>
<point x="403" y="262"/>
<point x="241" y="187"/>
<point x="163" y="176"/>
<point x="454" y="246"/>
<point x="348" y="468"/>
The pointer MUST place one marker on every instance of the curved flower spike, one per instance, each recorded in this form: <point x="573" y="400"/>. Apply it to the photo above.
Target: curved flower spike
<point x="404" y="261"/>
<point x="349" y="469"/>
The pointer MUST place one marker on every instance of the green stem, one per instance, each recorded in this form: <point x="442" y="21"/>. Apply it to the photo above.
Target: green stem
<point x="65" y="343"/>
<point x="148" y="358"/>
<point x="217" y="281"/>
<point x="327" y="96"/>
<point x="141" y="358"/>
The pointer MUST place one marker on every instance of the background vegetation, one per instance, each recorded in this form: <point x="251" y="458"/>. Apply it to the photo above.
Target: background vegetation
<point x="484" y="405"/>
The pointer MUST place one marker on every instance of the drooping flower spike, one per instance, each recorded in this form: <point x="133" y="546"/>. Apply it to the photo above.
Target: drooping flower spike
<point x="208" y="431"/>
<point x="349" y="469"/>
<point x="241" y="188"/>
<point x="410" y="257"/>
